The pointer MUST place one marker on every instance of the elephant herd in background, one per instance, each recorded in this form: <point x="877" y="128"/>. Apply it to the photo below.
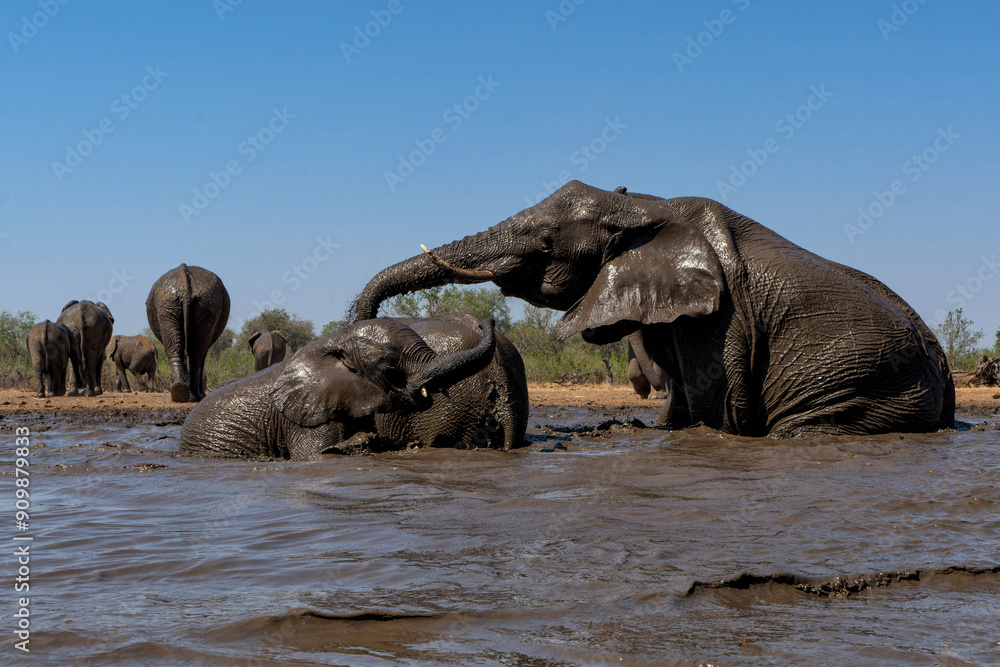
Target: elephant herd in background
<point x="732" y="325"/>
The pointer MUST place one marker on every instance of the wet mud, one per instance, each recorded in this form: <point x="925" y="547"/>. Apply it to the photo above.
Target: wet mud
<point x="603" y="541"/>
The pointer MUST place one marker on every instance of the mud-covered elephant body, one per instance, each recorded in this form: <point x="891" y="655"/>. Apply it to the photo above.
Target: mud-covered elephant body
<point x="91" y="324"/>
<point x="268" y="349"/>
<point x="187" y="309"/>
<point x="758" y="336"/>
<point x="50" y="346"/>
<point x="374" y="377"/>
<point x="136" y="354"/>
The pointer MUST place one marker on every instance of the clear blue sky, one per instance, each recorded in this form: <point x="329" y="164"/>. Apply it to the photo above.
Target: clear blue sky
<point x="670" y="99"/>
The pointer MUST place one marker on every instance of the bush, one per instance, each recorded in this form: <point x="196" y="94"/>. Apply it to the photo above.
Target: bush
<point x="15" y="362"/>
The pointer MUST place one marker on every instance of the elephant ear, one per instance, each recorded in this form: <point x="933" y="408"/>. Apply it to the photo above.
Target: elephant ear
<point x="253" y="339"/>
<point x="303" y="390"/>
<point x="71" y="303"/>
<point x="666" y="272"/>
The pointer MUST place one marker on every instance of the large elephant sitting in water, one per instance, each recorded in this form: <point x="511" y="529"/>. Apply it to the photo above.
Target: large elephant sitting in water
<point x="758" y="336"/>
<point x="187" y="309"/>
<point x="438" y="382"/>
<point x="91" y="324"/>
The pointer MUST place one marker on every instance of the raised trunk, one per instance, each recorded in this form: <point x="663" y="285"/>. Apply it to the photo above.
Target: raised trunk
<point x="422" y="272"/>
<point x="448" y="369"/>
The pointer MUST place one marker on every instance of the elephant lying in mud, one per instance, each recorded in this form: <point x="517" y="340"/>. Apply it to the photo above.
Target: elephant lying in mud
<point x="136" y="354"/>
<point x="268" y="349"/>
<point x="91" y="324"/>
<point x="438" y="382"/>
<point x="758" y="336"/>
<point x="187" y="309"/>
<point x="51" y="346"/>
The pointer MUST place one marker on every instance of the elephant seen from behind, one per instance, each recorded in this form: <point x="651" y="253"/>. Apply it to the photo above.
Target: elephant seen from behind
<point x="758" y="336"/>
<point x="437" y="382"/>
<point x="268" y="349"/>
<point x="91" y="325"/>
<point x="136" y="354"/>
<point x="51" y="346"/>
<point x="187" y="309"/>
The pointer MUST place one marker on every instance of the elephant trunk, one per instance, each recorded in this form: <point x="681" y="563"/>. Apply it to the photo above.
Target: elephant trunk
<point x="447" y="369"/>
<point x="456" y="262"/>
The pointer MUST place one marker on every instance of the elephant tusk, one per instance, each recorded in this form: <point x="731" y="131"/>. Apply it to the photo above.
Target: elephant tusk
<point x="469" y="274"/>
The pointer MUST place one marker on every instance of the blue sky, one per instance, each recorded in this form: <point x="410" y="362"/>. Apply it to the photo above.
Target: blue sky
<point x="274" y="142"/>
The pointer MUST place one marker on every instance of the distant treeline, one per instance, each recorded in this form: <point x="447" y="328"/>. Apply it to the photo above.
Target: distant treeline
<point x="546" y="359"/>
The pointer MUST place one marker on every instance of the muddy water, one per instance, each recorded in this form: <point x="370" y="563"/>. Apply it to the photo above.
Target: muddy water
<point x="626" y="546"/>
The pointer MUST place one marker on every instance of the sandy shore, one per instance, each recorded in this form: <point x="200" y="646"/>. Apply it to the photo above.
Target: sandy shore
<point x="982" y="401"/>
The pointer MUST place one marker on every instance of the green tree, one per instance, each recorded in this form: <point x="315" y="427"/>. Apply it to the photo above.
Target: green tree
<point x="15" y="363"/>
<point x="225" y="341"/>
<point x="297" y="332"/>
<point x="480" y="302"/>
<point x="958" y="339"/>
<point x="332" y="327"/>
<point x="996" y="345"/>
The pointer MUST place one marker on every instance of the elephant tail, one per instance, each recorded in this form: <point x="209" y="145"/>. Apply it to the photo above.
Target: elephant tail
<point x="186" y="311"/>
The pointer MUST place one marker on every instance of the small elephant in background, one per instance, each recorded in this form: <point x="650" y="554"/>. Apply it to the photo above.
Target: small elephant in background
<point x="50" y="346"/>
<point x="268" y="349"/>
<point x="137" y="354"/>
<point x="91" y="324"/>
<point x="187" y="309"/>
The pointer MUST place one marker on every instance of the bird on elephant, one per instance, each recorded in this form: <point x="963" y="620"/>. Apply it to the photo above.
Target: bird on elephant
<point x="758" y="335"/>
<point x="437" y="382"/>
<point x="91" y="325"/>
<point x="268" y="349"/>
<point x="187" y="309"/>
<point x="50" y="347"/>
<point x="136" y="354"/>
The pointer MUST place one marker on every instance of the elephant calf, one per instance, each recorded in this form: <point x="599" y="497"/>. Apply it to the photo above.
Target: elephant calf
<point x="438" y="382"/>
<point x="137" y="354"/>
<point x="268" y="349"/>
<point x="50" y="346"/>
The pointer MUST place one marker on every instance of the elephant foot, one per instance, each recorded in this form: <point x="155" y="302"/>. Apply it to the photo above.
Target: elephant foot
<point x="660" y="395"/>
<point x="98" y="391"/>
<point x="73" y="392"/>
<point x="180" y="393"/>
<point x="89" y="392"/>
<point x="40" y="395"/>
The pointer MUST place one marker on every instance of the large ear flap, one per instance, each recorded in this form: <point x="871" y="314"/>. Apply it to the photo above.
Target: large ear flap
<point x="669" y="270"/>
<point x="253" y="339"/>
<point x="112" y="347"/>
<point x="305" y="390"/>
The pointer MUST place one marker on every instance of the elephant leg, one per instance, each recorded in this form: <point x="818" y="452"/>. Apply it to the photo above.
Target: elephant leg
<point x="122" y="380"/>
<point x="141" y="381"/>
<point x="675" y="412"/>
<point x="198" y="383"/>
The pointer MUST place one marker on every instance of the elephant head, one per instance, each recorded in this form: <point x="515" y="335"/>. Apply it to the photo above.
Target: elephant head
<point x="329" y="390"/>
<point x="612" y="261"/>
